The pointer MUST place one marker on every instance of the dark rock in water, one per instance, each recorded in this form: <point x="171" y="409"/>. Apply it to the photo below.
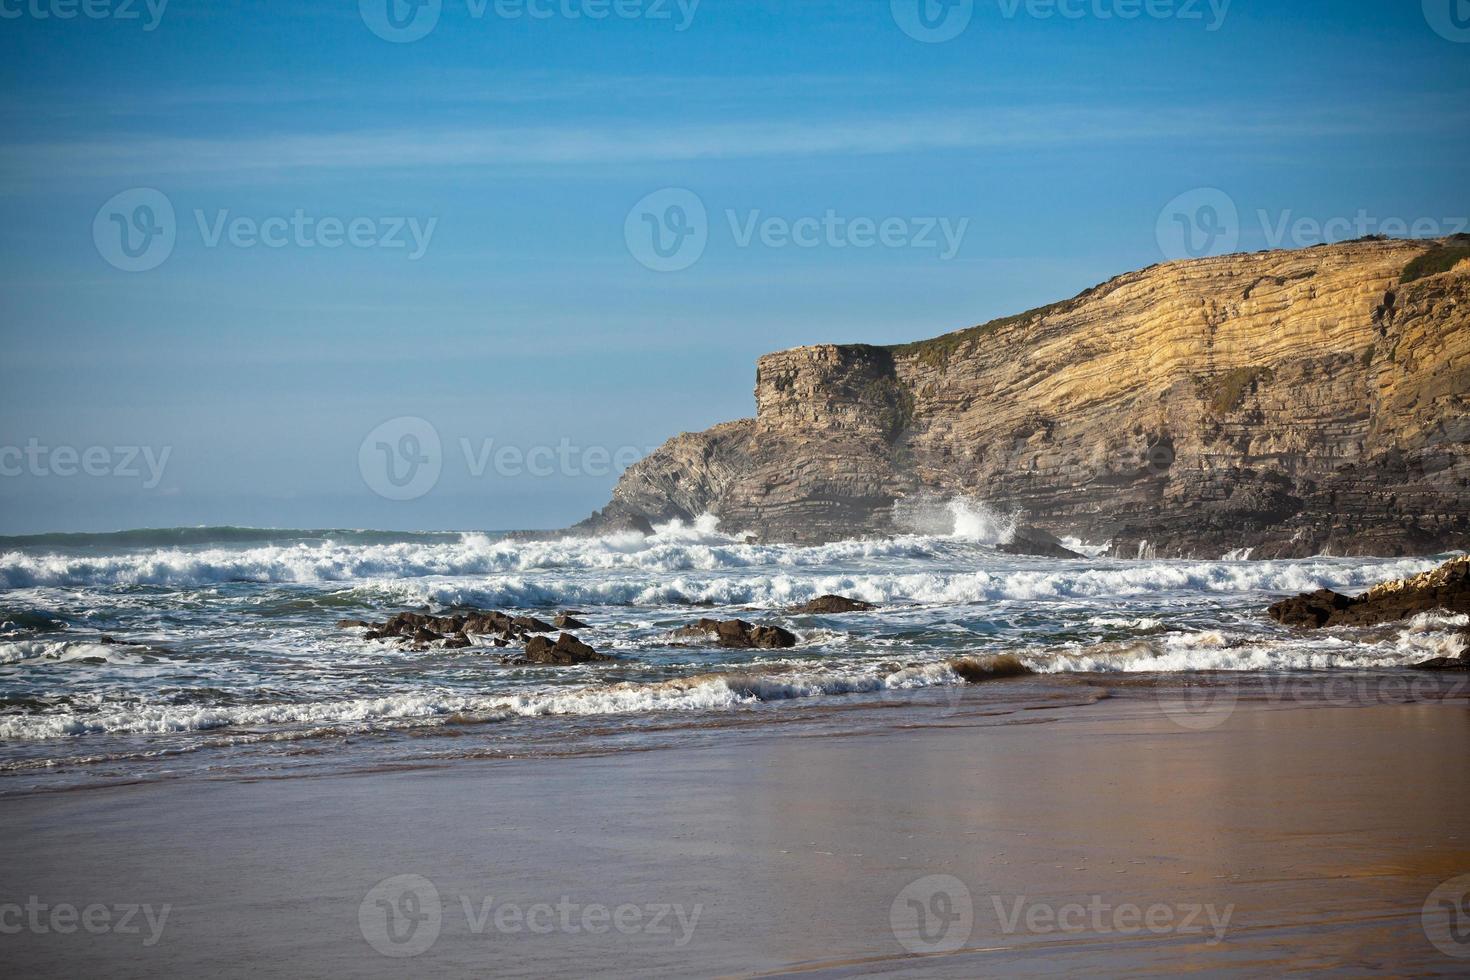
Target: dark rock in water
<point x="565" y="651"/>
<point x="1446" y="587"/>
<point x="567" y="621"/>
<point x="532" y="625"/>
<point x="1310" y="609"/>
<point x="738" y="634"/>
<point x="456" y="642"/>
<point x="348" y="624"/>
<point x="831" y="604"/>
<point x="613" y="519"/>
<point x="1444" y="663"/>
<point x="488" y="622"/>
<point x="1036" y="542"/>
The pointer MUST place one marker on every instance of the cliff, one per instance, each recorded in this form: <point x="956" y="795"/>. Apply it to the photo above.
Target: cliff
<point x="1293" y="402"/>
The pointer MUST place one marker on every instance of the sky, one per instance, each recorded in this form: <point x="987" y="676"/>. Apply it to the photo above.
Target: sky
<point x="452" y="264"/>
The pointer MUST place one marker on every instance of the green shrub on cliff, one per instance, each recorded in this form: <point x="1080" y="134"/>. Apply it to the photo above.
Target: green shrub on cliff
<point x="1441" y="258"/>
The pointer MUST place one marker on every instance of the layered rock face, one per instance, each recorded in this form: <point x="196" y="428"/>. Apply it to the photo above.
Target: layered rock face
<point x="1292" y="402"/>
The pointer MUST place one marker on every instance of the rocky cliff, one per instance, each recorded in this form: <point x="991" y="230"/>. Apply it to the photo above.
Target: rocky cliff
<point x="1293" y="402"/>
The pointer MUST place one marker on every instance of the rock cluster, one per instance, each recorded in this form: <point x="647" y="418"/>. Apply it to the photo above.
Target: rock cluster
<point x="739" y="634"/>
<point x="419" y="630"/>
<point x="1446" y="587"/>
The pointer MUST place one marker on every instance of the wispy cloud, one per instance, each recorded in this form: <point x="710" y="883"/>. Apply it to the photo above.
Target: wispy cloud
<point x="430" y="148"/>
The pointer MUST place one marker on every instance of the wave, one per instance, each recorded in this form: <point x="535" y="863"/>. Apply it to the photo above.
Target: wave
<point x="26" y="651"/>
<point x="666" y="567"/>
<point x="701" y="692"/>
<point x="226" y="534"/>
<point x="1001" y="583"/>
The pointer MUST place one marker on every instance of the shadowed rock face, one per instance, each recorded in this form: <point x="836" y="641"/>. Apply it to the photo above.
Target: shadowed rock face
<point x="1290" y="402"/>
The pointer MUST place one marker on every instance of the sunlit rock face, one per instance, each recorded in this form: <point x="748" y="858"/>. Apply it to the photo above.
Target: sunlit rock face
<point x="1290" y="402"/>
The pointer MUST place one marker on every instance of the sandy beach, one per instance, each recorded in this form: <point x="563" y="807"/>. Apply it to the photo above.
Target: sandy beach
<point x="1102" y="839"/>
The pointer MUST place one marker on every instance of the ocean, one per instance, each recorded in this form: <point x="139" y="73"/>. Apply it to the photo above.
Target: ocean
<point x="215" y="651"/>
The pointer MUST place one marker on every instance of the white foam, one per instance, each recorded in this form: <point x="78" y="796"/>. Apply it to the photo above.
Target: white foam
<point x="62" y="651"/>
<point x="703" y="692"/>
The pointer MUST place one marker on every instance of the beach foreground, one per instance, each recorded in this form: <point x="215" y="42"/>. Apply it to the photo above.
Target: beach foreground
<point x="1108" y="838"/>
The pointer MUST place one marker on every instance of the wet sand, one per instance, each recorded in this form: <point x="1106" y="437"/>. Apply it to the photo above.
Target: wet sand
<point x="1109" y="839"/>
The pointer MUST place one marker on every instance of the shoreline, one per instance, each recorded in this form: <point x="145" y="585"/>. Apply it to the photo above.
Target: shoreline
<point x="1323" y="830"/>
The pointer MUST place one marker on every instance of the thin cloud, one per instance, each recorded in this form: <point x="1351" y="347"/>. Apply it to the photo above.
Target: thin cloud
<point x="426" y="148"/>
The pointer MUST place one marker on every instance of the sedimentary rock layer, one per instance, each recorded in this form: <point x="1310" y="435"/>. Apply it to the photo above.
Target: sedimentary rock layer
<point x="1292" y="402"/>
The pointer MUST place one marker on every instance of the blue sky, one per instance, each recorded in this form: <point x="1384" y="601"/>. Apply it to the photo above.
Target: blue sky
<point x="1052" y="144"/>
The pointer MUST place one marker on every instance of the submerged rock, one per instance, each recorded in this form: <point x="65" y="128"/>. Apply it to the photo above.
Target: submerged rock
<point x="421" y="629"/>
<point x="532" y="625"/>
<point x="1445" y="663"/>
<point x="1446" y="587"/>
<point x="1038" y="543"/>
<point x="567" y="621"/>
<point x="829" y="604"/>
<point x="738" y="634"/>
<point x="567" y="650"/>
